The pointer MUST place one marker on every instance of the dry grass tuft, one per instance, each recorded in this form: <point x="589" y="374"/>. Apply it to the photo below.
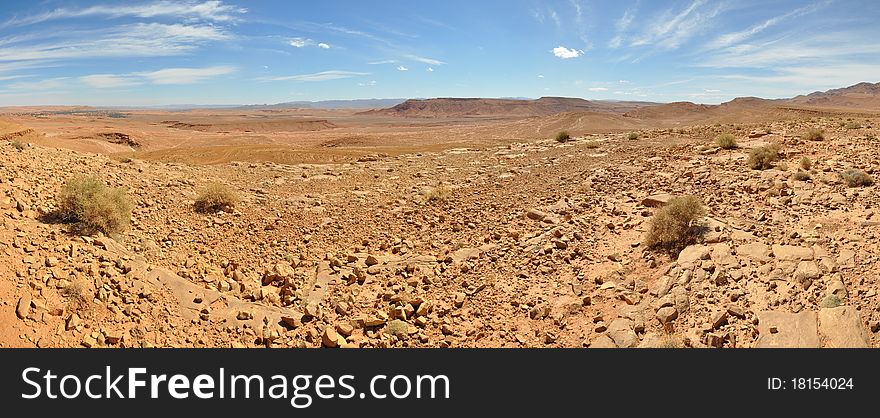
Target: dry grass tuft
<point x="672" y="227"/>
<point x="92" y="206"/>
<point x="216" y="197"/>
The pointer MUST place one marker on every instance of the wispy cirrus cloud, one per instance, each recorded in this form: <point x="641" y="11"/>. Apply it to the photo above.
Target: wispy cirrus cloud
<point x="424" y="60"/>
<point x="137" y="40"/>
<point x="673" y="28"/>
<point x="108" y="81"/>
<point x="733" y="38"/>
<point x="186" y="75"/>
<point x="321" y="76"/>
<point x="56" y="83"/>
<point x="215" y="11"/>
<point x="621" y="26"/>
<point x="305" y="42"/>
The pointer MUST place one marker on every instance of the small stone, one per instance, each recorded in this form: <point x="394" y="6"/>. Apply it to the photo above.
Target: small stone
<point x="244" y="316"/>
<point x="736" y="311"/>
<point x="371" y="261"/>
<point x="23" y="309"/>
<point x="667" y="314"/>
<point x="329" y="337"/>
<point x="535" y="214"/>
<point x="719" y="319"/>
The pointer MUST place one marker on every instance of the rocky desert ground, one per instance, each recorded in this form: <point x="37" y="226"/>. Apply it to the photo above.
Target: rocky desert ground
<point x="468" y="229"/>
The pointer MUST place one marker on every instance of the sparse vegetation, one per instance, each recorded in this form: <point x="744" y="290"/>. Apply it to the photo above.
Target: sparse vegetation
<point x="591" y="144"/>
<point x="216" y="197"/>
<point x="397" y="328"/>
<point x="563" y="136"/>
<point x="814" y="134"/>
<point x="853" y="125"/>
<point x="762" y="158"/>
<point x="726" y="141"/>
<point x="672" y="227"/>
<point x="92" y="206"/>
<point x="632" y="136"/>
<point x="75" y="294"/>
<point x="801" y="176"/>
<point x="17" y="145"/>
<point x="805" y="163"/>
<point x="856" y="178"/>
<point x="439" y="194"/>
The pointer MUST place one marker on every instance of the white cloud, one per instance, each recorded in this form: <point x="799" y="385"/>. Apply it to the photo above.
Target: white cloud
<point x="186" y="75"/>
<point x="623" y="81"/>
<point x="47" y="84"/>
<point x="137" y="40"/>
<point x="383" y="62"/>
<point x="565" y="53"/>
<point x="540" y="75"/>
<point x="304" y="42"/>
<point x="368" y="83"/>
<point x="424" y="60"/>
<point x="671" y="29"/>
<point x="733" y="38"/>
<point x="621" y="26"/>
<point x="598" y="89"/>
<point x="215" y="11"/>
<point x="402" y="68"/>
<point x="300" y="42"/>
<point x="430" y="70"/>
<point x="322" y="76"/>
<point x="107" y="81"/>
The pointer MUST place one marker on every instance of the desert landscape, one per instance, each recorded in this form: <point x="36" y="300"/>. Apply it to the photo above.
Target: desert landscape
<point x="553" y="222"/>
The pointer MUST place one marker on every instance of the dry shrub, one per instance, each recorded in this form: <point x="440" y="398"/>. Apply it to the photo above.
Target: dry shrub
<point x="801" y="176"/>
<point x="633" y="136"/>
<point x="762" y="158"/>
<point x="806" y="163"/>
<point x="440" y="194"/>
<point x="18" y="145"/>
<point x="92" y="206"/>
<point x="563" y="136"/>
<point x="856" y="178"/>
<point x="814" y="134"/>
<point x="75" y="292"/>
<point x="591" y="144"/>
<point x="726" y="141"/>
<point x="853" y="125"/>
<point x="672" y="227"/>
<point x="216" y="197"/>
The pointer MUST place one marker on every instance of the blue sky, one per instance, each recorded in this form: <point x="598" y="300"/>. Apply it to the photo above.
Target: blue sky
<point x="270" y="51"/>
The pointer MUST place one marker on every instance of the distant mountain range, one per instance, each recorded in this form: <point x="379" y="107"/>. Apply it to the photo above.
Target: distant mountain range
<point x="465" y="107"/>
<point x="332" y="104"/>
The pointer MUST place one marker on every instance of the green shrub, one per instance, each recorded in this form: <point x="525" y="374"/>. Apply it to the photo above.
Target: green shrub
<point x="632" y="136"/>
<point x="726" y="141"/>
<point x="672" y="226"/>
<point x="814" y="134"/>
<point x="762" y="158"/>
<point x="92" y="206"/>
<point x="215" y="198"/>
<point x="17" y="145"/>
<point x="853" y="125"/>
<point x="856" y="178"/>
<point x="563" y="136"/>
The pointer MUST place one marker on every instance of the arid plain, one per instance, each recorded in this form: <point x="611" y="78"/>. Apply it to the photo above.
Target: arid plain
<point x="449" y="223"/>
